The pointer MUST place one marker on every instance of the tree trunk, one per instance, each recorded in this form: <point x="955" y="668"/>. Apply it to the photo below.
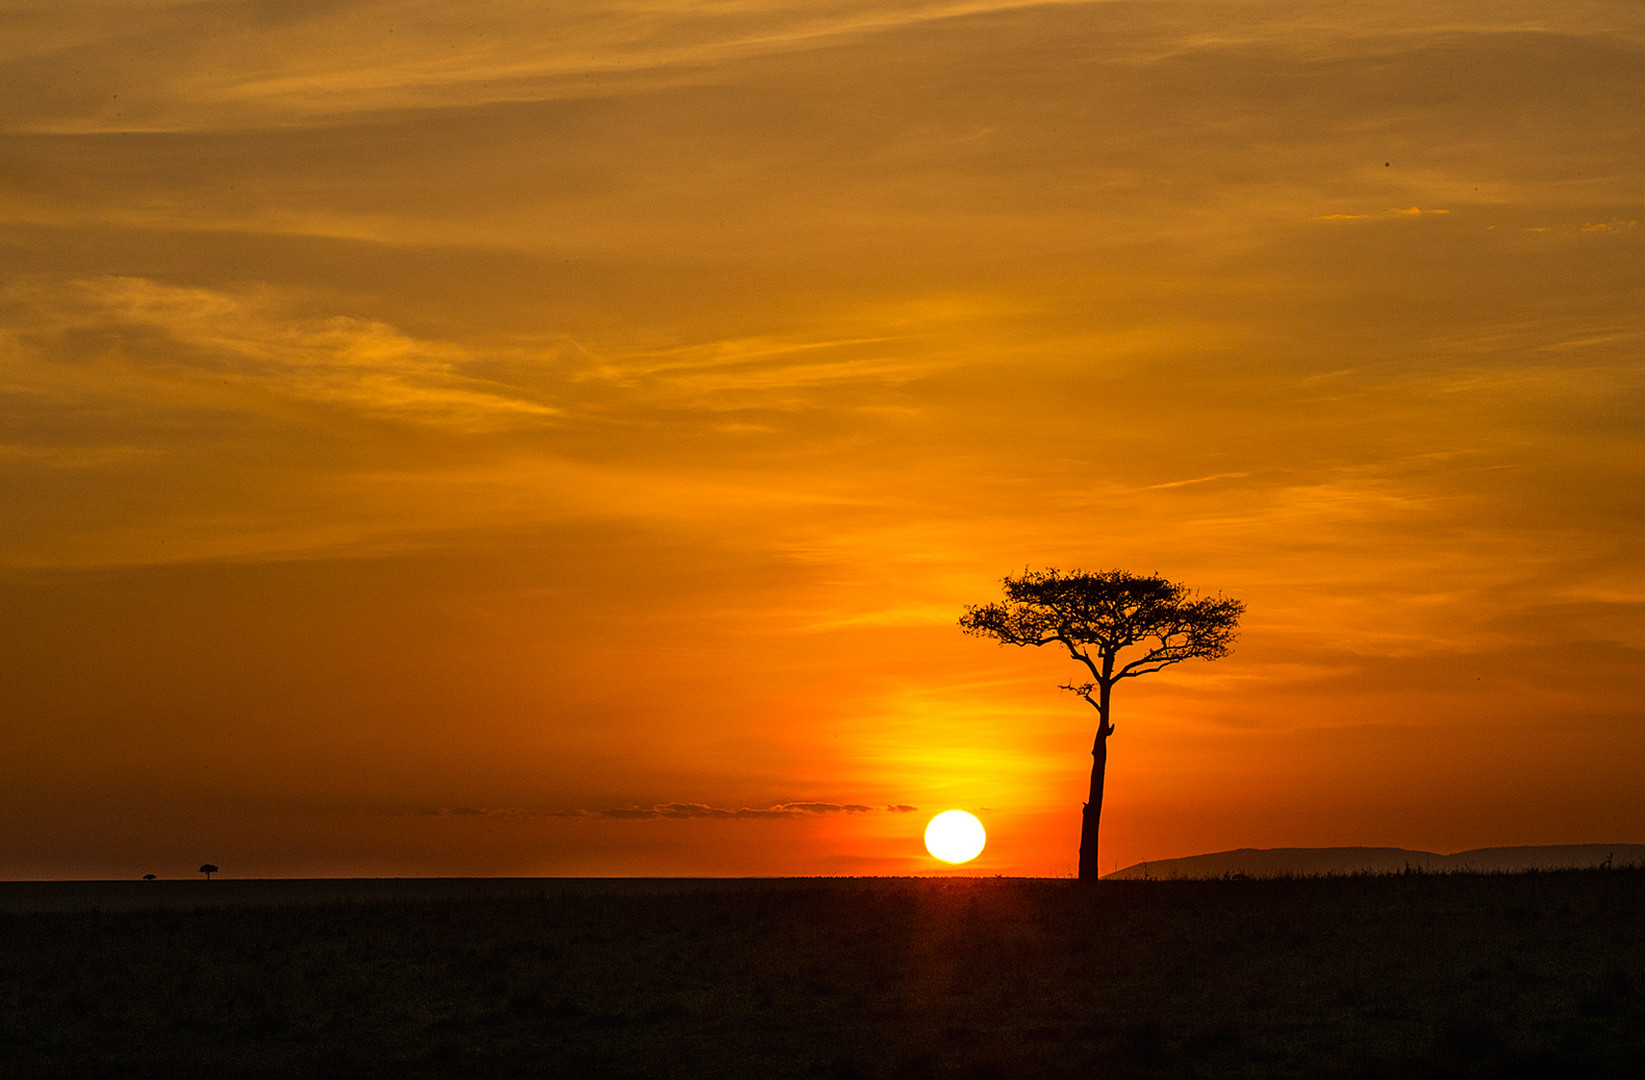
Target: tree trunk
<point x="1099" y="766"/>
<point x="1093" y="806"/>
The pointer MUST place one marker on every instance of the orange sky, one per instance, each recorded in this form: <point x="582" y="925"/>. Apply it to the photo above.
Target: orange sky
<point x="428" y="428"/>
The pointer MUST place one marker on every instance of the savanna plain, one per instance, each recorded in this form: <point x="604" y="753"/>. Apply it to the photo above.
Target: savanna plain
<point x="1409" y="975"/>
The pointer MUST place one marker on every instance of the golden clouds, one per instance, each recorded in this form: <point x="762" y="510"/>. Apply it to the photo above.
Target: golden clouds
<point x="1414" y="211"/>
<point x="240" y="350"/>
<point x="169" y="67"/>
<point x="1614" y="225"/>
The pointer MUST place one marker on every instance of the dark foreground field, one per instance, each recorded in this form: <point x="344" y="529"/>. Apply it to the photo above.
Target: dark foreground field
<point x="1409" y="976"/>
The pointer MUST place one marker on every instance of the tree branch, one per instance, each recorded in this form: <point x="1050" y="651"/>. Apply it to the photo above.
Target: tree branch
<point x="1127" y="673"/>
<point x="1081" y="657"/>
<point x="1084" y="691"/>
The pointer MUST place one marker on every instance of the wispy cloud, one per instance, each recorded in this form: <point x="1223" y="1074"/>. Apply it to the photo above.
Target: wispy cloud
<point x="1395" y="212"/>
<point x="313" y="65"/>
<point x="684" y="810"/>
<point x="743" y="368"/>
<point x="1197" y="480"/>
<point x="241" y="350"/>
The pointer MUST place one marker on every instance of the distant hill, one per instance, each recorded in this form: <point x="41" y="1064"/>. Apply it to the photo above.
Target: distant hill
<point x="1280" y="862"/>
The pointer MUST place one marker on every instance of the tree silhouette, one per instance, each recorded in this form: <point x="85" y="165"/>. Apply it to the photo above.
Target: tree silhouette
<point x="1118" y="625"/>
<point x="208" y="870"/>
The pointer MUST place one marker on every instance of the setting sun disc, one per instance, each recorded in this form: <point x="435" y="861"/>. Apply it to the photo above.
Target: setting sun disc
<point x="955" y="836"/>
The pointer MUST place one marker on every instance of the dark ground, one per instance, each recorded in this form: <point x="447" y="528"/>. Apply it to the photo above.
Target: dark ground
<point x="1537" y="974"/>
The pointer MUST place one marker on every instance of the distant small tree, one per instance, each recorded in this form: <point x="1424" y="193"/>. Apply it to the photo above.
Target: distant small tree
<point x="208" y="870"/>
<point x="1118" y="626"/>
<point x="148" y="877"/>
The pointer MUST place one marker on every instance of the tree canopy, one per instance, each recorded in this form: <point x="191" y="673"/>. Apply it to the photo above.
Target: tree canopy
<point x="1097" y="615"/>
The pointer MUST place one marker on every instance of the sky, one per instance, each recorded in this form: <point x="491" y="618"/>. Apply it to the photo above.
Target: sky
<point x="513" y="438"/>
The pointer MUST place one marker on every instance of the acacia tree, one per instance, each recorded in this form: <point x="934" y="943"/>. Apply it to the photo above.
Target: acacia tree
<point x="1118" y="626"/>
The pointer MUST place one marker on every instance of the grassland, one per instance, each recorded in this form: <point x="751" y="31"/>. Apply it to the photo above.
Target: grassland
<point x="1537" y="974"/>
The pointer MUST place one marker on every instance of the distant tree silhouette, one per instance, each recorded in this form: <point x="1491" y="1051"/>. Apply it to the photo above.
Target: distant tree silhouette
<point x="148" y="877"/>
<point x="1118" y="626"/>
<point x="208" y="870"/>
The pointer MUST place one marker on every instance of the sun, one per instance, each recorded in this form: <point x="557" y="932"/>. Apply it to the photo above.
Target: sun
<point x="955" y="836"/>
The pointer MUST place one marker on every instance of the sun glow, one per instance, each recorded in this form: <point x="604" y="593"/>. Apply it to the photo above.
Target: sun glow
<point x="955" y="836"/>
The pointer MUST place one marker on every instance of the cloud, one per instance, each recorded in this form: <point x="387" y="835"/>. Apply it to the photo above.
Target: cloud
<point x="221" y="67"/>
<point x="735" y="373"/>
<point x="902" y="615"/>
<point x="1410" y="211"/>
<point x="1197" y="480"/>
<point x="703" y="810"/>
<point x="681" y="811"/>
<point x="243" y="351"/>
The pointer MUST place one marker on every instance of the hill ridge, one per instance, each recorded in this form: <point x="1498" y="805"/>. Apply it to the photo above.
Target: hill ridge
<point x="1305" y="861"/>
